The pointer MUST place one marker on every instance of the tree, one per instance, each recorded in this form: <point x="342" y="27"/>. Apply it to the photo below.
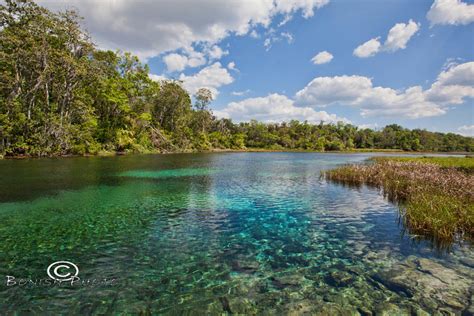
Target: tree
<point x="60" y="95"/>
<point x="46" y="67"/>
<point x="202" y="116"/>
<point x="203" y="99"/>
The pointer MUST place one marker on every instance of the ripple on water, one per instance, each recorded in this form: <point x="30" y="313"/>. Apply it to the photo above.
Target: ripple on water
<point x="263" y="236"/>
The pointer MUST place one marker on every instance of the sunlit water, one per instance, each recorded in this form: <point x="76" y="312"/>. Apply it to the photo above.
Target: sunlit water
<point x="213" y="233"/>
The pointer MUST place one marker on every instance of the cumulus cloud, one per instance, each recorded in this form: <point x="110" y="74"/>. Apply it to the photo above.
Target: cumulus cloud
<point x="466" y="130"/>
<point x="459" y="74"/>
<point x="397" y="38"/>
<point x="274" y="108"/>
<point x="175" y="62"/>
<point x="400" y="34"/>
<point x="288" y="7"/>
<point x="211" y="77"/>
<point x="368" y="49"/>
<point x="452" y="87"/>
<point x="215" y="52"/>
<point x="191" y="58"/>
<point x="323" y="91"/>
<point x="148" y="28"/>
<point x="323" y="57"/>
<point x="452" y="12"/>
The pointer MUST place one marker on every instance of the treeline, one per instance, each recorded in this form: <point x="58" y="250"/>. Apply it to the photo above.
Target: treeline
<point x="340" y="136"/>
<point x="60" y="95"/>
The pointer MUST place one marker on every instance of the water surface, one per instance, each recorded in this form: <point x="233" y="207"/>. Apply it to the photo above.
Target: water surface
<point x="216" y="233"/>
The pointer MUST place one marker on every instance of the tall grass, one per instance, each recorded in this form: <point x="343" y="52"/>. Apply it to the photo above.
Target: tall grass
<point x="436" y="200"/>
<point x="465" y="164"/>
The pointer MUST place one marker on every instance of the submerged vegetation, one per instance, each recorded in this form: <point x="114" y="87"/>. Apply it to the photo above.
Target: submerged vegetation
<point x="434" y="194"/>
<point x="60" y="95"/>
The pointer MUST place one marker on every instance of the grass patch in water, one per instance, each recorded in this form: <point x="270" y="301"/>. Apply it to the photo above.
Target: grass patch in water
<point x="434" y="194"/>
<point x="168" y="173"/>
<point x="465" y="164"/>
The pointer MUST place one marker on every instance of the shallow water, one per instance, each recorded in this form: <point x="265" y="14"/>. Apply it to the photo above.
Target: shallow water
<point x="215" y="233"/>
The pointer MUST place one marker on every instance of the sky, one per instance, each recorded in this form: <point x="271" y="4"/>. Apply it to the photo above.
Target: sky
<point x="367" y="62"/>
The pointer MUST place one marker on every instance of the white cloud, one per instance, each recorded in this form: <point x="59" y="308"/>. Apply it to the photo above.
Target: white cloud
<point x="451" y="62"/>
<point x="254" y="34"/>
<point x="157" y="77"/>
<point x="461" y="74"/>
<point x="240" y="93"/>
<point x="149" y="28"/>
<point x="285" y="20"/>
<point x="175" y="62"/>
<point x="370" y="125"/>
<point x="368" y="49"/>
<point x="192" y="58"/>
<point x="400" y="34"/>
<point x="274" y="38"/>
<point x="452" y="12"/>
<point x="195" y="59"/>
<point x="288" y="7"/>
<point x="215" y="52"/>
<point x="211" y="77"/>
<point x="232" y="66"/>
<point x="267" y="43"/>
<point x="288" y="36"/>
<point x="322" y="58"/>
<point x="466" y="130"/>
<point x="452" y="87"/>
<point x="397" y="38"/>
<point x="323" y="91"/>
<point x="274" y="108"/>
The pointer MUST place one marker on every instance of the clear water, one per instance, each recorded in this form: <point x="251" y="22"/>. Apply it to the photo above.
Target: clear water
<point x="209" y="234"/>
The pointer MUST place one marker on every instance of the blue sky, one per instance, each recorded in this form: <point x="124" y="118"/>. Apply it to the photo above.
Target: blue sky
<point x="256" y="56"/>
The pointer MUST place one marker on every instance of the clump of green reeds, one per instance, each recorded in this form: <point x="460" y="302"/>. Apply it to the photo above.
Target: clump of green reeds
<point x="435" y="201"/>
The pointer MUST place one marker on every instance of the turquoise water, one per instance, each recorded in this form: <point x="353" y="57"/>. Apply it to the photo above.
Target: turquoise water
<point x="246" y="233"/>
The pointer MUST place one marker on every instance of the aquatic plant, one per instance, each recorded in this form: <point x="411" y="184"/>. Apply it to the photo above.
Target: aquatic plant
<point x="461" y="163"/>
<point x="435" y="197"/>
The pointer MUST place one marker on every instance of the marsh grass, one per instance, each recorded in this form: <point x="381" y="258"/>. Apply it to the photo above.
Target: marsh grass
<point x="435" y="195"/>
<point x="465" y="164"/>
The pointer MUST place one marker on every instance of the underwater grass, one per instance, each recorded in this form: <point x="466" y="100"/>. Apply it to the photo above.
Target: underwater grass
<point x="169" y="173"/>
<point x="434" y="195"/>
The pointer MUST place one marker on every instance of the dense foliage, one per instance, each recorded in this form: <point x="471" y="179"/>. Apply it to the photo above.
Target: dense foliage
<point x="60" y="95"/>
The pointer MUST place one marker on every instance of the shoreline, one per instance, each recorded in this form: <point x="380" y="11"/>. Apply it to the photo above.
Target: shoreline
<point x="249" y="150"/>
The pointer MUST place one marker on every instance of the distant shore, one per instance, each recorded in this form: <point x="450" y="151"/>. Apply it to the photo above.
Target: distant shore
<point x="256" y="150"/>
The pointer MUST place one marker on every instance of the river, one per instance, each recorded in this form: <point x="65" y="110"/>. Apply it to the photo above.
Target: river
<point x="246" y="233"/>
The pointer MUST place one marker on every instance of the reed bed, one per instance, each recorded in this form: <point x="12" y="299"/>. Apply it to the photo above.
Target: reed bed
<point x="465" y="164"/>
<point x="435" y="200"/>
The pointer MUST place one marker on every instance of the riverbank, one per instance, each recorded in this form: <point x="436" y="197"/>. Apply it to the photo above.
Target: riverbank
<point x="224" y="150"/>
<point x="434" y="194"/>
